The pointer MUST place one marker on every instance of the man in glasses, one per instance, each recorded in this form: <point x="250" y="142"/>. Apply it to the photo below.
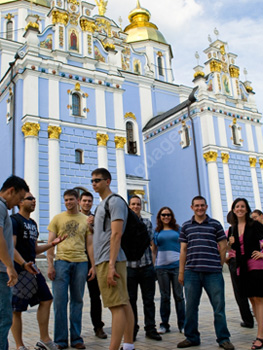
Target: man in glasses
<point x="11" y="193"/>
<point x="86" y="202"/>
<point x="142" y="273"/>
<point x="110" y="260"/>
<point x="201" y="267"/>
<point x="31" y="288"/>
<point x="69" y="271"/>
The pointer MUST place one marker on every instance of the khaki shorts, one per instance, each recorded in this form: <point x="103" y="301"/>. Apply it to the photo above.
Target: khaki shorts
<point x="113" y="296"/>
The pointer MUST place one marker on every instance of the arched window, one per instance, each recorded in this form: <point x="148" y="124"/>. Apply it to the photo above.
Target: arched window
<point x="76" y="104"/>
<point x="131" y="143"/>
<point x="79" y="156"/>
<point x="9" y="30"/>
<point x="160" y="65"/>
<point x="235" y="135"/>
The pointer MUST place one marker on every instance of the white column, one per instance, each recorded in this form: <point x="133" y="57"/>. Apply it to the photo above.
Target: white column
<point x="100" y="107"/>
<point x="252" y="162"/>
<point x="54" y="171"/>
<point x="31" y="170"/>
<point x="53" y="96"/>
<point x="120" y="164"/>
<point x="102" y="140"/>
<point x="228" y="187"/>
<point x="214" y="188"/>
<point x="146" y="103"/>
<point x="30" y="100"/>
<point x="118" y="110"/>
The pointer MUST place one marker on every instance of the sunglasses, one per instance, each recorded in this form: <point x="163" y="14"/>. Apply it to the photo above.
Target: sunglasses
<point x="30" y="198"/>
<point x="96" y="180"/>
<point x="168" y="215"/>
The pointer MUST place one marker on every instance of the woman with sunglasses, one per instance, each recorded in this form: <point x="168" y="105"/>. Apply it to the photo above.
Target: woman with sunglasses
<point x="244" y="236"/>
<point x="166" y="253"/>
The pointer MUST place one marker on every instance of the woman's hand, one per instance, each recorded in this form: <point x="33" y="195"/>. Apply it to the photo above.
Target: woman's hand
<point x="231" y="240"/>
<point x="256" y="255"/>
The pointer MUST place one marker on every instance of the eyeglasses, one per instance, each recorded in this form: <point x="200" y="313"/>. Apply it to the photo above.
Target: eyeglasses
<point x="31" y="198"/>
<point x="96" y="180"/>
<point x="168" y="215"/>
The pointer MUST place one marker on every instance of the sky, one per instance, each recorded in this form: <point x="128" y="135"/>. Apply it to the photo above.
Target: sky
<point x="186" y="25"/>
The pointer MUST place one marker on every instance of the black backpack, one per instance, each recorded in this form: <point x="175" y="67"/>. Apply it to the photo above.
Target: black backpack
<point x="135" y="239"/>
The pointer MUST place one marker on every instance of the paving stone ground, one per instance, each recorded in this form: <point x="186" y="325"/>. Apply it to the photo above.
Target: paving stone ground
<point x="240" y="337"/>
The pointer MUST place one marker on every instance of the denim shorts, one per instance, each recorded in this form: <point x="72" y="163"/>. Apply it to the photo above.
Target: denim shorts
<point x="43" y="294"/>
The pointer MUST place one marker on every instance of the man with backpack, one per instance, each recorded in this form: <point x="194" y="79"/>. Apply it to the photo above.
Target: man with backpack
<point x="31" y="288"/>
<point x="141" y="272"/>
<point x="110" y="260"/>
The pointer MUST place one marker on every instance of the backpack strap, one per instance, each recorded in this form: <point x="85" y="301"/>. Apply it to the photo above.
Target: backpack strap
<point x="107" y="210"/>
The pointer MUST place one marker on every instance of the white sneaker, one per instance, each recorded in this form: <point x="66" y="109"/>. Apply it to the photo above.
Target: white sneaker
<point x="22" y="348"/>
<point x="46" y="346"/>
<point x="162" y="330"/>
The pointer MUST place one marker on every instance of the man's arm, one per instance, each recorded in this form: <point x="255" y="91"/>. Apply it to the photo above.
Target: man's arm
<point x="6" y="259"/>
<point x="183" y="253"/>
<point x="90" y="251"/>
<point x="115" y="243"/>
<point x="222" y="250"/>
<point x="50" y="257"/>
<point x="154" y="251"/>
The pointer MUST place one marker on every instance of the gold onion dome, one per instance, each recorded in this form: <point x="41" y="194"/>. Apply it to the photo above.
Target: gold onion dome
<point x="140" y="28"/>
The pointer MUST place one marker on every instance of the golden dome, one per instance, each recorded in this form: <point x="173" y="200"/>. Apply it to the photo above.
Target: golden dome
<point x="141" y="28"/>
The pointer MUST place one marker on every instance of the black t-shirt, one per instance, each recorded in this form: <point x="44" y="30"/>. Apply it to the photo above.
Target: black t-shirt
<point x="27" y="236"/>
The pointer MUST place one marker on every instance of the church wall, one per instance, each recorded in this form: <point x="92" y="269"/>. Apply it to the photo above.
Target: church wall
<point x="163" y="101"/>
<point x="43" y="98"/>
<point x="254" y="137"/>
<point x="109" y="104"/>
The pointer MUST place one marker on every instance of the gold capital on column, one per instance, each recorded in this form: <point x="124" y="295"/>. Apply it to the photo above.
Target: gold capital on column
<point x="225" y="158"/>
<point x="210" y="156"/>
<point x="30" y="129"/>
<point x="102" y="139"/>
<point x="119" y="141"/>
<point x="252" y="162"/>
<point x="54" y="132"/>
<point x="261" y="163"/>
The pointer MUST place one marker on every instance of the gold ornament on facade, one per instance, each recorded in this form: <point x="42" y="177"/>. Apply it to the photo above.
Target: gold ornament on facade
<point x="30" y="129"/>
<point x="9" y="16"/>
<point x="32" y="25"/>
<point x="59" y="17"/>
<point x="74" y="2"/>
<point x="234" y="72"/>
<point x="261" y="163"/>
<point x="119" y="141"/>
<point x="249" y="88"/>
<point x="102" y="6"/>
<point x="130" y="115"/>
<point x="87" y="26"/>
<point x="102" y="139"/>
<point x="108" y="46"/>
<point x="138" y="192"/>
<point x="77" y="86"/>
<point x="222" y="50"/>
<point x="54" y="132"/>
<point x="252" y="162"/>
<point x="210" y="156"/>
<point x="73" y="19"/>
<point x="104" y="24"/>
<point x="215" y="66"/>
<point x="225" y="158"/>
<point x="61" y="36"/>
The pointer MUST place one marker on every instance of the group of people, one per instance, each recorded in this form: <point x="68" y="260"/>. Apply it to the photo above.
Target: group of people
<point x="86" y="248"/>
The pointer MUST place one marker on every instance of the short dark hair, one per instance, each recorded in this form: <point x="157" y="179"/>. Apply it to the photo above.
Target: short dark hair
<point x="257" y="211"/>
<point x="198" y="198"/>
<point x="71" y="192"/>
<point x="14" y="181"/>
<point x="102" y="171"/>
<point x="135" y="196"/>
<point x="86" y="194"/>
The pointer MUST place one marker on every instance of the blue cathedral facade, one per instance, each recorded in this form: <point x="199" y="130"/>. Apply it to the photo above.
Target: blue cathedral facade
<point x="78" y="92"/>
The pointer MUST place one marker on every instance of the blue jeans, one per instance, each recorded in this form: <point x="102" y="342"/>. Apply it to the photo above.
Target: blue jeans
<point x="72" y="276"/>
<point x="145" y="277"/>
<point x="168" y="278"/>
<point x="5" y="310"/>
<point x="213" y="284"/>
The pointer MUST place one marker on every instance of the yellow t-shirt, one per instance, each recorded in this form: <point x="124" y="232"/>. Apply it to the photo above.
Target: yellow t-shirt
<point x="73" y="249"/>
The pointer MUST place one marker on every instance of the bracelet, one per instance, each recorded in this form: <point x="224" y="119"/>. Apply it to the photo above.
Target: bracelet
<point x="23" y="265"/>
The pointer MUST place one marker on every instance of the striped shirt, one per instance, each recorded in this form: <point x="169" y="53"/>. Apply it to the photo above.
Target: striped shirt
<point x="202" y="249"/>
<point x="146" y="259"/>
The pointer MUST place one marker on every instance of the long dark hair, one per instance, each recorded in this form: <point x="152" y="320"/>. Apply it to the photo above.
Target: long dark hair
<point x="172" y="224"/>
<point x="248" y="218"/>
